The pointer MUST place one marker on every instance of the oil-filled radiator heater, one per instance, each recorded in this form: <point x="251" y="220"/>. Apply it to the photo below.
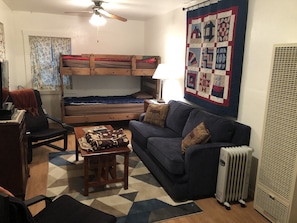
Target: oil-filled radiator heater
<point x="233" y="175"/>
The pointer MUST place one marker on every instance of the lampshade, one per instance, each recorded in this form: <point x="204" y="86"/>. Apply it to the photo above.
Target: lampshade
<point x="168" y="71"/>
<point x="162" y="72"/>
<point x="97" y="20"/>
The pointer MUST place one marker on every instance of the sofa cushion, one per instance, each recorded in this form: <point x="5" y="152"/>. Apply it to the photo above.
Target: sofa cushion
<point x="220" y="128"/>
<point x="141" y="131"/>
<point x="198" y="135"/>
<point x="195" y="117"/>
<point x="156" y="114"/>
<point x="177" y="115"/>
<point x="167" y="152"/>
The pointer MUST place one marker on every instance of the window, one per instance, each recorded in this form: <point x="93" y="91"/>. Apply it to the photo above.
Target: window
<point x="2" y="44"/>
<point x="44" y="57"/>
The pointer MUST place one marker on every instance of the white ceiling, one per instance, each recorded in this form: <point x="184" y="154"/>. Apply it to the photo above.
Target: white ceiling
<point x="130" y="9"/>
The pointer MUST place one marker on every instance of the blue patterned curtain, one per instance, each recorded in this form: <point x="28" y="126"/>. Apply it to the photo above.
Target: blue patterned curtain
<point x="215" y="46"/>
<point x="44" y="55"/>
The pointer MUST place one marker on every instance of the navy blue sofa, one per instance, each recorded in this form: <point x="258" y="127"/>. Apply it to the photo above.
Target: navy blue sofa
<point x="192" y="175"/>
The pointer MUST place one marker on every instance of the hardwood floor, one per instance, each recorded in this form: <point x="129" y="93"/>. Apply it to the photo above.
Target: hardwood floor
<point x="212" y="211"/>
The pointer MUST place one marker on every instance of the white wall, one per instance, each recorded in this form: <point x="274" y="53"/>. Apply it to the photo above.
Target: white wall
<point x="269" y="23"/>
<point x="165" y="36"/>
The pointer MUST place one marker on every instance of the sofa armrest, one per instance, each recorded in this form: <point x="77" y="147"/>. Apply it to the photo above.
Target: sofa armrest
<point x="242" y="134"/>
<point x="201" y="166"/>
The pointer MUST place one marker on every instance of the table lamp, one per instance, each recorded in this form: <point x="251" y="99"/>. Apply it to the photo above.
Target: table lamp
<point x="161" y="73"/>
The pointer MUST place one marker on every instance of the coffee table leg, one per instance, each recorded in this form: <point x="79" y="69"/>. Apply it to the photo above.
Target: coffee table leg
<point x="76" y="150"/>
<point x="86" y="176"/>
<point x="126" y="166"/>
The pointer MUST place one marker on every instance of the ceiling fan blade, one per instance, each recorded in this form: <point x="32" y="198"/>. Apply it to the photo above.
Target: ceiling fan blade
<point x="110" y="15"/>
<point x="80" y="12"/>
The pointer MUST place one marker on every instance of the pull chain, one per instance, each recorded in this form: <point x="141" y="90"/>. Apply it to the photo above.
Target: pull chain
<point x="97" y="34"/>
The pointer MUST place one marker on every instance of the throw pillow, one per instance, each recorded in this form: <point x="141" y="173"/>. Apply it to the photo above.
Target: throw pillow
<point x="198" y="135"/>
<point x="156" y="114"/>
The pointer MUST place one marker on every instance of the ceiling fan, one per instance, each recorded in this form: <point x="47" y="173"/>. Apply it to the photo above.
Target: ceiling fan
<point x="97" y="9"/>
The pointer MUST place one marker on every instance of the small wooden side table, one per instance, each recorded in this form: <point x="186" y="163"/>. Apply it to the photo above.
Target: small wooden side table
<point x="106" y="160"/>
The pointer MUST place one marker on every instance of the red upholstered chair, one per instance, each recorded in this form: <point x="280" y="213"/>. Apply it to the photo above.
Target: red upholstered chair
<point x="63" y="209"/>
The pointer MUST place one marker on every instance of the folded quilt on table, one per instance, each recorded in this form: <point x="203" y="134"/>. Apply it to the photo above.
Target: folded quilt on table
<point x="102" y="138"/>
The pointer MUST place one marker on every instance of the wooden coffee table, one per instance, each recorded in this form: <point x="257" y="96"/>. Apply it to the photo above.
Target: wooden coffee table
<point x="105" y="161"/>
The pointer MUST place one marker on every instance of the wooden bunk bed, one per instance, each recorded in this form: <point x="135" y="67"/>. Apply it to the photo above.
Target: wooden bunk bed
<point x="75" y="110"/>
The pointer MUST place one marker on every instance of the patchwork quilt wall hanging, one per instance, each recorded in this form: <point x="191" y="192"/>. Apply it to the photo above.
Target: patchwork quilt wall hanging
<point x="214" y="55"/>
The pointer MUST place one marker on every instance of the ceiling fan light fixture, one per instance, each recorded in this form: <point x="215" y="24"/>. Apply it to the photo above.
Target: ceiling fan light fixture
<point x="103" y="12"/>
<point x="97" y="20"/>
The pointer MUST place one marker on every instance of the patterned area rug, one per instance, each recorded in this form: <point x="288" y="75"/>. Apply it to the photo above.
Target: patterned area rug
<point x="144" y="201"/>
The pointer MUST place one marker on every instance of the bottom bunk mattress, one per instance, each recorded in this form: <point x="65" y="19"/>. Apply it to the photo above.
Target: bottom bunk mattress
<point x="96" y="108"/>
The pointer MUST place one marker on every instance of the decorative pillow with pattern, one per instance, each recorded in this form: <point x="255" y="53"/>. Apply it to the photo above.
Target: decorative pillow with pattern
<point x="156" y="114"/>
<point x="198" y="135"/>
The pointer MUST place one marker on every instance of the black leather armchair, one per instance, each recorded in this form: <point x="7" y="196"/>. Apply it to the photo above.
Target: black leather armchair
<point x="63" y="209"/>
<point x="39" y="132"/>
